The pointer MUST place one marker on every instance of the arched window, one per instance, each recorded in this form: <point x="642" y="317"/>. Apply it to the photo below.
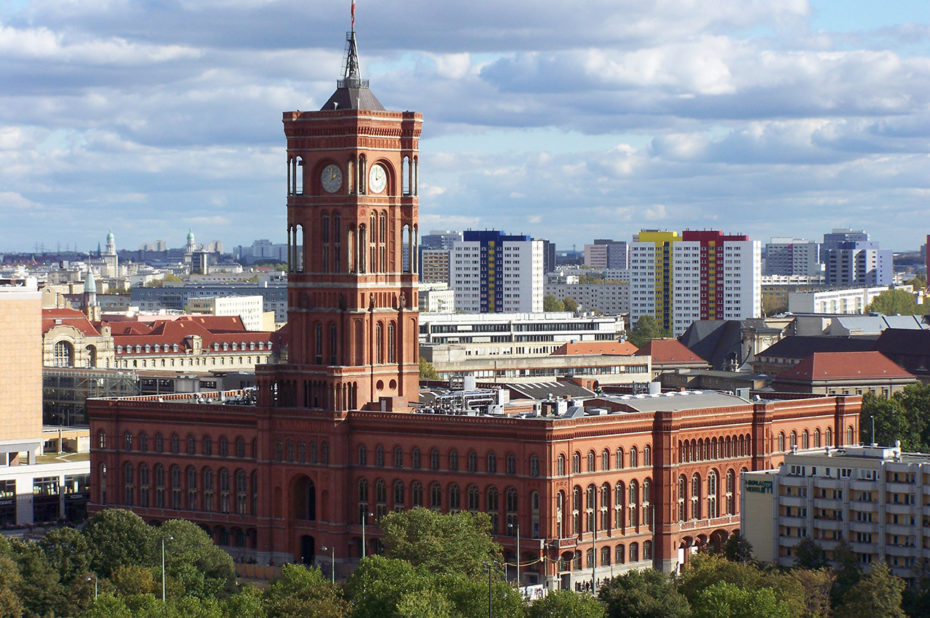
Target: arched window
<point x="175" y="444"/>
<point x="534" y="513"/>
<point x="619" y="496"/>
<point x="511" y="464"/>
<point x="454" y="498"/>
<point x="647" y="550"/>
<point x="510" y="505"/>
<point x="64" y="354"/>
<point x="591" y="462"/>
<point x="591" y="508"/>
<point x="453" y="460"/>
<point x="647" y="455"/>
<point x="472" y="461"/>
<point x="493" y="507"/>
<point x="817" y="438"/>
<point x="191" y="444"/>
<point x="620" y="554"/>
<point x="415" y="458"/>
<point x="224" y="447"/>
<point x="362" y="500"/>
<point x="634" y="504"/>
<point x="127" y="441"/>
<point x="794" y="439"/>
<point x="143" y="485"/>
<point x="208" y="490"/>
<point x="805" y="440"/>
<point x="647" y="503"/>
<point x="434" y="459"/>
<point x="379" y="343"/>
<point x="159" y="486"/>
<point x="143" y="442"/>
<point x="362" y="455"/>
<point x="191" y="474"/>
<point x="604" y="508"/>
<point x="398" y="457"/>
<point x="416" y="493"/>
<point x="850" y="436"/>
<point x="380" y="498"/>
<point x="781" y="441"/>
<point x="399" y="502"/>
<point x="128" y="484"/>
<point x="492" y="463"/>
<point x="101" y="439"/>
<point x="634" y="552"/>
<point x="605" y="459"/>
<point x="712" y="494"/>
<point x="91" y="353"/>
<point x="435" y="496"/>
<point x="242" y="493"/>
<point x="576" y="510"/>
<point x="207" y="445"/>
<point x="392" y="343"/>
<point x="224" y="490"/>
<point x="731" y="493"/>
<point x="619" y="463"/>
<point x="682" y="494"/>
<point x="474" y="497"/>
<point x="634" y="457"/>
<point x="576" y="463"/>
<point x="560" y="467"/>
<point x="828" y="436"/>
<point x="379" y="456"/>
<point x="696" y="496"/>
<point x="534" y="465"/>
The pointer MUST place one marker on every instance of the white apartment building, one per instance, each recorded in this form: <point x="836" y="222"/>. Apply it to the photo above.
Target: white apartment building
<point x="249" y="308"/>
<point x="436" y="298"/>
<point x="875" y="498"/>
<point x="852" y="300"/>
<point x="792" y="256"/>
<point x="608" y="297"/>
<point x="496" y="273"/>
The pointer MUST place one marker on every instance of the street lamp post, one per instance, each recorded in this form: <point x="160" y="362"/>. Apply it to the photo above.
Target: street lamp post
<point x="516" y="527"/>
<point x="164" y="596"/>
<point x="365" y="516"/>
<point x="489" y="565"/>
<point x="332" y="564"/>
<point x="95" y="584"/>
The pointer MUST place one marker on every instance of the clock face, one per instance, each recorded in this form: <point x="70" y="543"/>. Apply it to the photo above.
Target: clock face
<point x="331" y="178"/>
<point x="377" y="178"/>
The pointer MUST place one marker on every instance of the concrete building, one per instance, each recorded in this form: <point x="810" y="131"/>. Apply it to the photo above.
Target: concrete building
<point x="436" y="298"/>
<point x="434" y="265"/>
<point x="792" y="257"/>
<point x="698" y="275"/>
<point x="607" y="253"/>
<point x="517" y="334"/>
<point x="177" y="297"/>
<point x="850" y="300"/>
<point x="833" y="240"/>
<point x="874" y="498"/>
<point x="859" y="264"/>
<point x="492" y="272"/>
<point x="250" y="309"/>
<point x="607" y="297"/>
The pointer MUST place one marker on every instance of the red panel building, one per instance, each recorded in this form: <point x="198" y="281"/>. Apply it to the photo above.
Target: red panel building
<point x="585" y="487"/>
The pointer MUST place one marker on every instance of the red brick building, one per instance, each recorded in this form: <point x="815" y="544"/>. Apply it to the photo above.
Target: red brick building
<point x="336" y="438"/>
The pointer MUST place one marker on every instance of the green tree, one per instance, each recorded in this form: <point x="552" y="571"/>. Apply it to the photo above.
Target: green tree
<point x="67" y="553"/>
<point x="203" y="569"/>
<point x="425" y="604"/>
<point x="878" y="593"/>
<point x="809" y="555"/>
<point x="118" y="537"/>
<point x="570" y="304"/>
<point x="302" y="591"/>
<point x="737" y="548"/>
<point x="848" y="573"/>
<point x="130" y="579"/>
<point x="10" y="582"/>
<point x="247" y="603"/>
<point x="707" y="569"/>
<point x="645" y="593"/>
<point x="442" y="543"/>
<point x="40" y="589"/>
<point x="551" y="303"/>
<point x="108" y="605"/>
<point x="645" y="330"/>
<point x="469" y="595"/>
<point x="725" y="600"/>
<point x="894" y="302"/>
<point x="379" y="584"/>
<point x="892" y="422"/>
<point x="427" y="371"/>
<point x="816" y="585"/>
<point x="566" y="604"/>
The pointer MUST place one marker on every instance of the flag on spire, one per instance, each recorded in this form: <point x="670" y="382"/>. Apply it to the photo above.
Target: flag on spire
<point x="353" y="14"/>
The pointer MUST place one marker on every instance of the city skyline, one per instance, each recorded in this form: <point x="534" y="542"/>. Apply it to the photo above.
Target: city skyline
<point x="150" y="120"/>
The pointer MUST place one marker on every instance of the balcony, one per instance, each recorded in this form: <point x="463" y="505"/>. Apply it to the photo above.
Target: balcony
<point x="792" y="501"/>
<point x="899" y="509"/>
<point x="828" y="503"/>
<point x="863" y="526"/>
<point x="828" y="524"/>
<point x="796" y="522"/>
<point x="828" y="483"/>
<point x="789" y="541"/>
<point x="900" y="529"/>
<point x="865" y="507"/>
<point x="898" y="488"/>
<point x="861" y="485"/>
<point x="899" y="550"/>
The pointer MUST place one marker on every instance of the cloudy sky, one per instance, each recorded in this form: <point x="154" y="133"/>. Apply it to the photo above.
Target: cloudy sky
<point x="564" y="120"/>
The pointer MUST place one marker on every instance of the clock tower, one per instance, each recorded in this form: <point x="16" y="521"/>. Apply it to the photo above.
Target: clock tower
<point x="352" y="235"/>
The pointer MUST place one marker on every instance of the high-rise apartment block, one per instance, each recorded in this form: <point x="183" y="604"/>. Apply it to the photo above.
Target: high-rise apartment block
<point x="698" y="275"/>
<point x="792" y="256"/>
<point x="492" y="272"/>
<point x="859" y="264"/>
<point x="833" y="239"/>
<point x="606" y="253"/>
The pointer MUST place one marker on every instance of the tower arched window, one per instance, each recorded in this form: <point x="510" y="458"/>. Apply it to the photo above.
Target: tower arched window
<point x="392" y="343"/>
<point x="696" y="496"/>
<point x="379" y="342"/>
<point x="64" y="354"/>
<point x="712" y="494"/>
<point x="731" y="493"/>
<point x="682" y="494"/>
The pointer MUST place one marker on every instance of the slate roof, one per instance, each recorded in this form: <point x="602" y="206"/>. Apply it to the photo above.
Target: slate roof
<point x="716" y="340"/>
<point x="865" y="366"/>
<point x="908" y="348"/>
<point x="802" y="346"/>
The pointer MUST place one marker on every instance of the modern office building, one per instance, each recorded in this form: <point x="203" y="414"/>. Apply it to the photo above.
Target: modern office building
<point x="832" y="240"/>
<point x="492" y="272"/>
<point x="874" y="498"/>
<point x="594" y="486"/>
<point x="792" y="256"/>
<point x="606" y="253"/>
<point x="434" y="265"/>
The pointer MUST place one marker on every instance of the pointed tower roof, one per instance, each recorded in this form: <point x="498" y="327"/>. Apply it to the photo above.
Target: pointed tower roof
<point x="352" y="91"/>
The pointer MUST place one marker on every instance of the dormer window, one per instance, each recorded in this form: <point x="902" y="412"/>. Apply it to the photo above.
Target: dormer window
<point x="157" y="347"/>
<point x="138" y="349"/>
<point x="225" y="346"/>
<point x="174" y="347"/>
<point x="233" y="346"/>
<point x="216" y="346"/>
<point x="251" y="345"/>
<point x="119" y="349"/>
<point x="148" y="348"/>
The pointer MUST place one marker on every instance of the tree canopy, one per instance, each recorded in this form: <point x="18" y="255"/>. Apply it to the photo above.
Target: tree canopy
<point x="901" y="417"/>
<point x="645" y="330"/>
<point x="896" y="302"/>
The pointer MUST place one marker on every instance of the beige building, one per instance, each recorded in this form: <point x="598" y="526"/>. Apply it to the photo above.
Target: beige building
<point x="20" y="371"/>
<point x="249" y="308"/>
<point x="69" y="339"/>
<point x="875" y="498"/>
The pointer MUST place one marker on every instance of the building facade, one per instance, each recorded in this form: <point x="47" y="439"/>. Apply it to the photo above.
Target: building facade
<point x="333" y="439"/>
<point x="606" y="253"/>
<point x="874" y="498"/>
<point x="792" y="256"/>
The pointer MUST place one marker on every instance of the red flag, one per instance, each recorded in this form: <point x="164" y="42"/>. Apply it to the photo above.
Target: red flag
<point x="353" y="14"/>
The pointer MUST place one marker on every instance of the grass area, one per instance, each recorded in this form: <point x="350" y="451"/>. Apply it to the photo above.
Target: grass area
<point x="55" y="458"/>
